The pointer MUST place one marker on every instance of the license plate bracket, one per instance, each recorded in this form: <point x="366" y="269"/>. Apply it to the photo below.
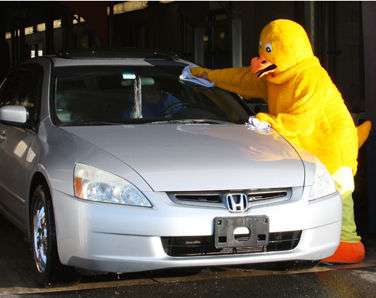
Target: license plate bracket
<point x="229" y="232"/>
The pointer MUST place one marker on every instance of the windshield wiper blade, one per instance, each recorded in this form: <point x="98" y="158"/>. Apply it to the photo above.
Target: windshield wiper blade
<point x="84" y="123"/>
<point x="190" y="121"/>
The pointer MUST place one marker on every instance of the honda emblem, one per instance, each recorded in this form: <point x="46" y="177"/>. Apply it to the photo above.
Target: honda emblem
<point x="236" y="202"/>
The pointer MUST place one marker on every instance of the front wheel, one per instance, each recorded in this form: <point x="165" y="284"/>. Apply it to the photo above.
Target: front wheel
<point x="43" y="237"/>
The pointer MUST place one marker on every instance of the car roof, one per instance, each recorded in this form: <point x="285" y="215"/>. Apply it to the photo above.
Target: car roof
<point x="114" y="57"/>
<point x="61" y="62"/>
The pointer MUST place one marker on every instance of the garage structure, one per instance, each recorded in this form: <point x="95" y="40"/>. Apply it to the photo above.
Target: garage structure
<point x="216" y="35"/>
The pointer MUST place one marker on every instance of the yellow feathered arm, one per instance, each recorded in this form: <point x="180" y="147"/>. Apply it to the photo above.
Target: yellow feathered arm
<point x="299" y="119"/>
<point x="237" y="80"/>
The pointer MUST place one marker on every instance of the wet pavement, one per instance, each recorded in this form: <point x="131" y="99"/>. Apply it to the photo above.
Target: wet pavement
<point x="16" y="278"/>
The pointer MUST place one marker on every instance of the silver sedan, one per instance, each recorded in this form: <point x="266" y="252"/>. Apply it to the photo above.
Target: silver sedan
<point x="116" y="165"/>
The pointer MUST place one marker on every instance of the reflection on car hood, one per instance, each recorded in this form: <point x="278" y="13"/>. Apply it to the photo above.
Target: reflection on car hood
<point x="198" y="157"/>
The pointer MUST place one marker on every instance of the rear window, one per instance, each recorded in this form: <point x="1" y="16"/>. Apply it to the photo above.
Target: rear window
<point x="120" y="95"/>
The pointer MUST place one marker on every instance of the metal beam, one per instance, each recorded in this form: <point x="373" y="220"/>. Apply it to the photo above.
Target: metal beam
<point x="49" y="34"/>
<point x="309" y="17"/>
<point x="237" y="44"/>
<point x="199" y="56"/>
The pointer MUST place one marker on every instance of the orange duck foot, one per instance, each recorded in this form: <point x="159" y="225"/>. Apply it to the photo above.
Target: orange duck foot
<point x="347" y="253"/>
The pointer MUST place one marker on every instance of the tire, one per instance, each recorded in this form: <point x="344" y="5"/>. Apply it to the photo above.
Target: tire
<point x="47" y="266"/>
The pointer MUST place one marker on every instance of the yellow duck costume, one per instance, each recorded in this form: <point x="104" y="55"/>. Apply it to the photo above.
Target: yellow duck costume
<point x="306" y="108"/>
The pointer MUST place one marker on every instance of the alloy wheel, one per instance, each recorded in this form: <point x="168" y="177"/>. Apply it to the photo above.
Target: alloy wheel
<point x="40" y="237"/>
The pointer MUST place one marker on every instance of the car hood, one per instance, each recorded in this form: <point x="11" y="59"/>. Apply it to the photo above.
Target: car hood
<point x="197" y="157"/>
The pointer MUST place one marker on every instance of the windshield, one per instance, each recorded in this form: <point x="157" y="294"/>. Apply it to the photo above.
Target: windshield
<point x="105" y="95"/>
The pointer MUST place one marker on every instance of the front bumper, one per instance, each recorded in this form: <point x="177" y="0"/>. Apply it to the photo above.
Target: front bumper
<point x="114" y="238"/>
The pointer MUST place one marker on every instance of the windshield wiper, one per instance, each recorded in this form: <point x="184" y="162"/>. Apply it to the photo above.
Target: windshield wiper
<point x="95" y="122"/>
<point x="190" y="121"/>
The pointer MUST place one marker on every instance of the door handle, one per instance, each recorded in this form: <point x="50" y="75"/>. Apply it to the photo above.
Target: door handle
<point x="3" y="136"/>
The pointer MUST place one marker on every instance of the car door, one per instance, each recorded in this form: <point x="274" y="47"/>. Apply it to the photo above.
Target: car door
<point x="22" y="88"/>
<point x="8" y="93"/>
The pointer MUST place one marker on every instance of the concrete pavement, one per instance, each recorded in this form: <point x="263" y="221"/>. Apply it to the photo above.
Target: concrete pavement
<point x="16" y="278"/>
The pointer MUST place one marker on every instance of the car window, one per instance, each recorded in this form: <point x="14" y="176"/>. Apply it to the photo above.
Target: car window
<point x="24" y="87"/>
<point x="88" y="95"/>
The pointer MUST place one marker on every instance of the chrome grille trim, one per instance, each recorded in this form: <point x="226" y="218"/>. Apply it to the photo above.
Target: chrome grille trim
<point x="266" y="195"/>
<point x="215" y="199"/>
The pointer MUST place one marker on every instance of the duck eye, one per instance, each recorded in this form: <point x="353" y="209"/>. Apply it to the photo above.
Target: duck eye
<point x="268" y="47"/>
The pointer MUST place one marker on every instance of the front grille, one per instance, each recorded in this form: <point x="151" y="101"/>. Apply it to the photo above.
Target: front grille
<point x="216" y="199"/>
<point x="266" y="195"/>
<point x="203" y="198"/>
<point x="204" y="245"/>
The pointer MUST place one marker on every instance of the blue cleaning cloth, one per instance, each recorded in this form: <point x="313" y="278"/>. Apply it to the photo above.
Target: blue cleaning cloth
<point x="186" y="75"/>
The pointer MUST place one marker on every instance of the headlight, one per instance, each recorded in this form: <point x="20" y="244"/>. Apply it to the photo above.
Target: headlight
<point x="323" y="184"/>
<point x="96" y="185"/>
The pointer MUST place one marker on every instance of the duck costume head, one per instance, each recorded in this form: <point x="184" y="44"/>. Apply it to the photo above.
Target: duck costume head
<point x="307" y="109"/>
<point x="283" y="44"/>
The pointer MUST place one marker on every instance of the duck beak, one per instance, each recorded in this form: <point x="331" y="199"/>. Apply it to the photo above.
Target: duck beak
<point x="261" y="66"/>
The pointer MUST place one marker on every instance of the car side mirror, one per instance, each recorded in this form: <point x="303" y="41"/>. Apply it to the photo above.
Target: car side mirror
<point x="13" y="114"/>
